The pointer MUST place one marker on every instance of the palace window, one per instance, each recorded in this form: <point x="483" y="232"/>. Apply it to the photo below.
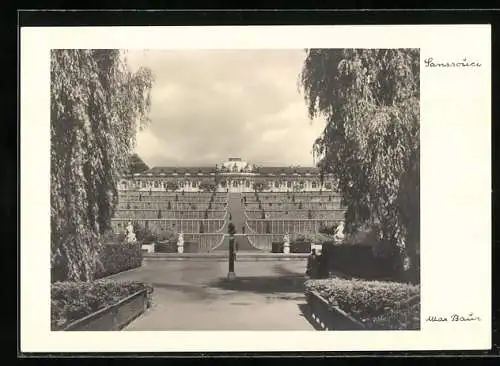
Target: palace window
<point x="235" y="183"/>
<point x="276" y="184"/>
<point x="314" y="185"/>
<point x="289" y="184"/>
<point x="156" y="184"/>
<point x="247" y="184"/>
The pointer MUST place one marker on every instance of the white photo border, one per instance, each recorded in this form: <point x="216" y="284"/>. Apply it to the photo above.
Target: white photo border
<point x="455" y="185"/>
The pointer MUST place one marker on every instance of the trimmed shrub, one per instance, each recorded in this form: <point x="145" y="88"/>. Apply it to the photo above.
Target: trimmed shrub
<point x="71" y="301"/>
<point x="111" y="237"/>
<point x="378" y="305"/>
<point x="300" y="246"/>
<point x="144" y="235"/>
<point x="171" y="247"/>
<point x="277" y="247"/>
<point x="115" y="258"/>
<point x="167" y="235"/>
<point x="166" y="247"/>
<point x="328" y="229"/>
<point x="361" y="261"/>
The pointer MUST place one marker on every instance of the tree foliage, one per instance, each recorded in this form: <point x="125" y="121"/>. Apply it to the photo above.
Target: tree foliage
<point x="97" y="107"/>
<point x="370" y="99"/>
<point x="136" y="164"/>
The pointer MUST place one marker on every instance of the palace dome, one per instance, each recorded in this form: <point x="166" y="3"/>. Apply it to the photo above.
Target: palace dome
<point x="236" y="165"/>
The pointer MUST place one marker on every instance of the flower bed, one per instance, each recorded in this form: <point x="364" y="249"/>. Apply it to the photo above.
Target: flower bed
<point x="375" y="304"/>
<point x="71" y="301"/>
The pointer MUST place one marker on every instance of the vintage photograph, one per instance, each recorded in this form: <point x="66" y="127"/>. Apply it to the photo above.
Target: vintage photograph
<point x="235" y="189"/>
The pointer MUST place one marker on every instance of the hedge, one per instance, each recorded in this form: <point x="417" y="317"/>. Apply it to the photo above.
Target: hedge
<point x="361" y="261"/>
<point x="115" y="258"/>
<point x="166" y="247"/>
<point x="71" y="301"/>
<point x="171" y="247"/>
<point x="277" y="247"/>
<point x="380" y="305"/>
<point x="298" y="246"/>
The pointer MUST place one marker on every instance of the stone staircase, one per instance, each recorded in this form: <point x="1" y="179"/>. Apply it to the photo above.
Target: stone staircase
<point x="237" y="215"/>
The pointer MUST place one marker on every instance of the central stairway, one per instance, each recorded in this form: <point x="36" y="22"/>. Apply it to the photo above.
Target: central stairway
<point x="237" y="214"/>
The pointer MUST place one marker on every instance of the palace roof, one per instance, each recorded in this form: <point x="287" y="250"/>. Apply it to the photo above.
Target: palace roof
<point x="287" y="170"/>
<point x="159" y="170"/>
<point x="211" y="170"/>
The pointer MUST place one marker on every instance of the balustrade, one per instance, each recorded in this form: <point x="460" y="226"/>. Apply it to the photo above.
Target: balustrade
<point x="270" y="226"/>
<point x="177" y="225"/>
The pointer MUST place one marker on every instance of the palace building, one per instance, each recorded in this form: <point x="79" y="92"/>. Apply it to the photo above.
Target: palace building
<point x="233" y="175"/>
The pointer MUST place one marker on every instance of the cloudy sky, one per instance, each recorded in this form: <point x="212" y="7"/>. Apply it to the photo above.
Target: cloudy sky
<point x="211" y="105"/>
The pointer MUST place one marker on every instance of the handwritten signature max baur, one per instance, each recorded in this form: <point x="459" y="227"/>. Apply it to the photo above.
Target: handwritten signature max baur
<point x="454" y="318"/>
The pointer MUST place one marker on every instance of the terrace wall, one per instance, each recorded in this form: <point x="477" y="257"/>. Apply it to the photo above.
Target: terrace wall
<point x="333" y="214"/>
<point x="166" y="214"/>
<point x="260" y="226"/>
<point x="177" y="225"/>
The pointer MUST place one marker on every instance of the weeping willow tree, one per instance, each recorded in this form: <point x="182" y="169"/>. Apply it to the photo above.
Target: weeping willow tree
<point x="97" y="107"/>
<point x="370" y="99"/>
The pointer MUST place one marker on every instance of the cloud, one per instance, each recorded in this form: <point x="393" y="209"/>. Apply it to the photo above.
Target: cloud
<point x="210" y="105"/>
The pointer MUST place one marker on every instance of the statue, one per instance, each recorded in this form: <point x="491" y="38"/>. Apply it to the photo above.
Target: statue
<point x="339" y="233"/>
<point x="180" y="243"/>
<point x="130" y="238"/>
<point x="286" y="244"/>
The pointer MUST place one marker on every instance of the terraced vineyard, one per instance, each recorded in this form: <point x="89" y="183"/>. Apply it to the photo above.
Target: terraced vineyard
<point x="270" y="216"/>
<point x="263" y="218"/>
<point x="199" y="216"/>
